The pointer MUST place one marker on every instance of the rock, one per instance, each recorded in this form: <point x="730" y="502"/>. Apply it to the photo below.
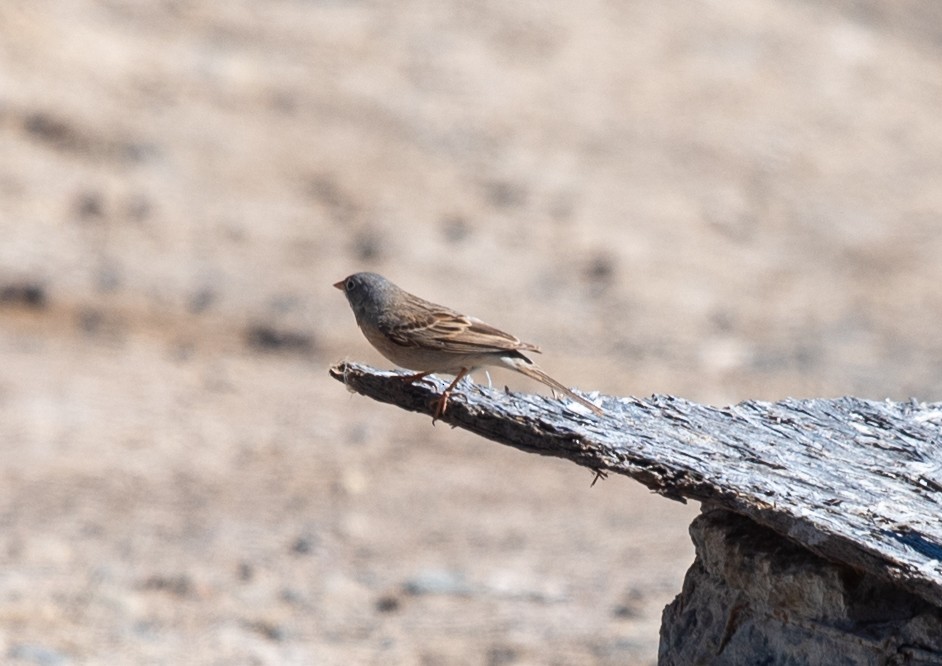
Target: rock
<point x="752" y="596"/>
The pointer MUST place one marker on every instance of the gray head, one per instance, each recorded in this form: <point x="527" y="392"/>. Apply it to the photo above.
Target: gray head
<point x="368" y="292"/>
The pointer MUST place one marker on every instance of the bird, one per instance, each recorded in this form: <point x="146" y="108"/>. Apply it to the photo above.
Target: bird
<point x="429" y="338"/>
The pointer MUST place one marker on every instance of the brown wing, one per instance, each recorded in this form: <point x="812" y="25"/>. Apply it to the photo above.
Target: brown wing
<point x="437" y="327"/>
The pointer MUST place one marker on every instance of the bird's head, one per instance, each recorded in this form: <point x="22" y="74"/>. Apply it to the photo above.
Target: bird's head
<point x="366" y="291"/>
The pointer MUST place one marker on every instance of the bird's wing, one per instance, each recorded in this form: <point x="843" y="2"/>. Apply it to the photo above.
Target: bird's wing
<point x="437" y="327"/>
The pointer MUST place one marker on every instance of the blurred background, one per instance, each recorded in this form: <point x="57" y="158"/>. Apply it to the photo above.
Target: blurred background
<point x="717" y="200"/>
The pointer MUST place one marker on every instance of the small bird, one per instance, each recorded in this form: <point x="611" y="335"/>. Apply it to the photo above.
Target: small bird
<point x="422" y="336"/>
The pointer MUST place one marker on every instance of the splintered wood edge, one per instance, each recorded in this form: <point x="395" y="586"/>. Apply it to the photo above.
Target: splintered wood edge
<point x="528" y="422"/>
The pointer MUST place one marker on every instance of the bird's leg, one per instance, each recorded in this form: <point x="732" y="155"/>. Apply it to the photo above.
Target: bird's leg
<point x="442" y="402"/>
<point x="411" y="379"/>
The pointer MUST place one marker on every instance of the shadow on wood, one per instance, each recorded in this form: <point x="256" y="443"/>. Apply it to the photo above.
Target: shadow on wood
<point x="857" y="484"/>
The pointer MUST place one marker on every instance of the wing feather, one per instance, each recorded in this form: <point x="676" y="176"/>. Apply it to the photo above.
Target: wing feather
<point x="437" y="327"/>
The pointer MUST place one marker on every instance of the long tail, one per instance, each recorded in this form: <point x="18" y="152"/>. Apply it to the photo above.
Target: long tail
<point x="527" y="367"/>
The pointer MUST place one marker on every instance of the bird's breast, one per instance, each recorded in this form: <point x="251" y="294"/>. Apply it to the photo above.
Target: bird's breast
<point x="423" y="359"/>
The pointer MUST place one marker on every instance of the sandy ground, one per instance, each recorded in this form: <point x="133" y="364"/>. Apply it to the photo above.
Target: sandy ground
<point x="718" y="200"/>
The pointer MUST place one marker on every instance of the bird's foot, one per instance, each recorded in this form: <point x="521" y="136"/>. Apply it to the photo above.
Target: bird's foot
<point x="439" y="405"/>
<point x="442" y="402"/>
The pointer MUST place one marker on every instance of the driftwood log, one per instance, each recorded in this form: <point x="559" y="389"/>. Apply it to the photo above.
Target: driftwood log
<point x="849" y="489"/>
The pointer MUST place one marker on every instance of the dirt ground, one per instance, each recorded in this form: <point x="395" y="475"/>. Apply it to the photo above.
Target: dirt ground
<point x="717" y="200"/>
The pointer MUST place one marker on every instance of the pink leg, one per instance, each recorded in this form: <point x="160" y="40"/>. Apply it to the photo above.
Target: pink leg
<point x="409" y="379"/>
<point x="442" y="402"/>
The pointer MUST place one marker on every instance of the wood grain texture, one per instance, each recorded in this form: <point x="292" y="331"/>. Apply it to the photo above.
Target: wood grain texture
<point x="855" y="481"/>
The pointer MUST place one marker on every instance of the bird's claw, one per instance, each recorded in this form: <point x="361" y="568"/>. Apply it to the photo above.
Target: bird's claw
<point x="439" y="407"/>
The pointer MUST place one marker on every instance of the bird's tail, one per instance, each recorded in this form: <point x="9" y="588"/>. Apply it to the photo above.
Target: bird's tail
<point x="526" y="367"/>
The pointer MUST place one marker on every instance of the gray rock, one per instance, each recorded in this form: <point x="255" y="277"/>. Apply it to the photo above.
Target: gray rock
<point x="754" y="597"/>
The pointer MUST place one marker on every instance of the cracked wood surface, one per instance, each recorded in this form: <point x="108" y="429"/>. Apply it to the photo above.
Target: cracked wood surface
<point x="855" y="481"/>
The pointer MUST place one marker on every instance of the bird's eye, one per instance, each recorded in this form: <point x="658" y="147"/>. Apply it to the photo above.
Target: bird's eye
<point x="349" y="284"/>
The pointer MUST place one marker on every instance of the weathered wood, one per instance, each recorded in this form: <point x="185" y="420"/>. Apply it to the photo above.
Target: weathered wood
<point x="855" y="481"/>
